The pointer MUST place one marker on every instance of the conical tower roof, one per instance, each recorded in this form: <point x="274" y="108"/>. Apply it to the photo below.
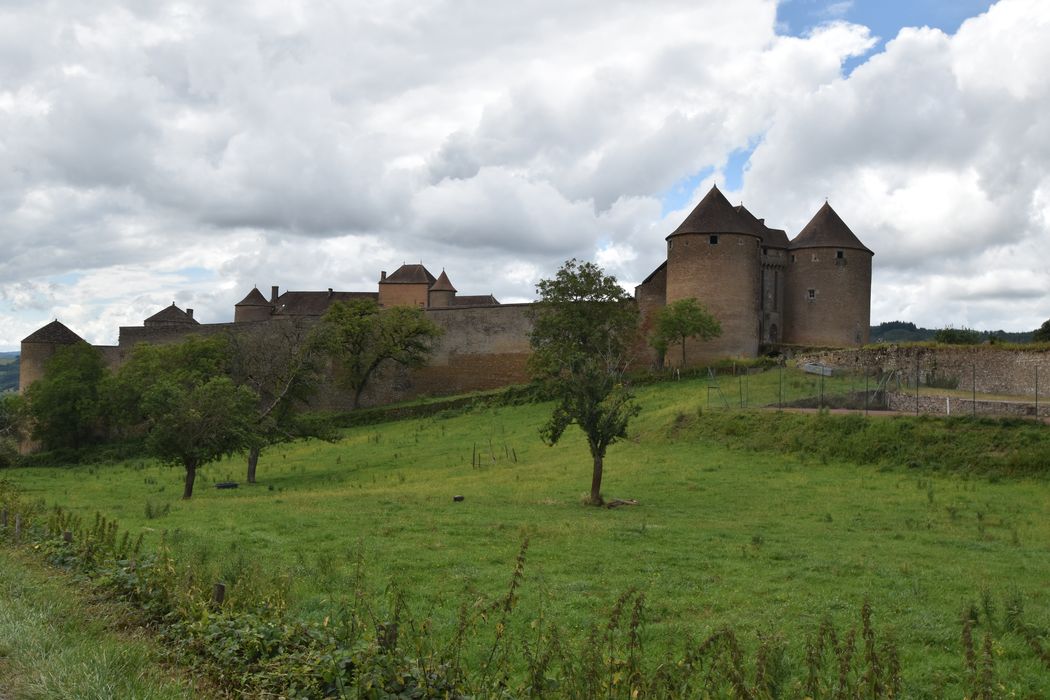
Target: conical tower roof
<point x="254" y="298"/>
<point x="827" y="230"/>
<point x="714" y="214"/>
<point x="443" y="284"/>
<point x="54" y="332"/>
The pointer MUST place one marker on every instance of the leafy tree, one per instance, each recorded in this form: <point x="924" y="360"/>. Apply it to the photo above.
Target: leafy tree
<point x="362" y="337"/>
<point x="957" y="336"/>
<point x="64" y="404"/>
<point x="12" y="419"/>
<point x="182" y="397"/>
<point x="584" y="327"/>
<point x="1042" y="334"/>
<point x="191" y="425"/>
<point x="282" y="362"/>
<point x="679" y="321"/>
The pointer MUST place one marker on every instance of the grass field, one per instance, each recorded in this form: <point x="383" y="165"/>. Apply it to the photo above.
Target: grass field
<point x="55" y="643"/>
<point x="763" y="541"/>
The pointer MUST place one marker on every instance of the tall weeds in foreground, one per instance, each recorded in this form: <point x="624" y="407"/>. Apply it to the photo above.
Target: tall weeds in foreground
<point x="250" y="645"/>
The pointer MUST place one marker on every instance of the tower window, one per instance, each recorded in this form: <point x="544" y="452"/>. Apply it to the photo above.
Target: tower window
<point x="811" y="294"/>
<point x="713" y="239"/>
<point x="792" y="258"/>
<point x="840" y="254"/>
<point x="765" y="251"/>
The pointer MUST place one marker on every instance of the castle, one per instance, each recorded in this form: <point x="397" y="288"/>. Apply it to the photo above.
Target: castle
<point x="766" y="291"/>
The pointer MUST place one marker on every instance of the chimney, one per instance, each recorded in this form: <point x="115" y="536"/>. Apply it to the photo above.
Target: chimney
<point x="329" y="292"/>
<point x="382" y="276"/>
<point x="273" y="294"/>
<point x="189" y="312"/>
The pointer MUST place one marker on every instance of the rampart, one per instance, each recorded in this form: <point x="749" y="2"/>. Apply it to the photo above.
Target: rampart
<point x="988" y="369"/>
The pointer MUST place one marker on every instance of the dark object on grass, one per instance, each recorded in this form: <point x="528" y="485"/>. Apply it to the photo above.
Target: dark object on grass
<point x="457" y="499"/>
<point x="226" y="485"/>
<point x="615" y="503"/>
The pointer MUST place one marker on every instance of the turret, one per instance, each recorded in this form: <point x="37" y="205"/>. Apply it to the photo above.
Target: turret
<point x="37" y="349"/>
<point x="254" y="307"/>
<point x="442" y="293"/>
<point x="828" y="289"/>
<point x="714" y="256"/>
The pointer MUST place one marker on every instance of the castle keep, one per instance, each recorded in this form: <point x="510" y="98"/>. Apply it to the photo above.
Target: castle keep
<point x="765" y="290"/>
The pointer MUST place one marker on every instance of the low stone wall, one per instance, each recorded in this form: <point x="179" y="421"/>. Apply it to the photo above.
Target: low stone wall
<point x="956" y="406"/>
<point x="994" y="370"/>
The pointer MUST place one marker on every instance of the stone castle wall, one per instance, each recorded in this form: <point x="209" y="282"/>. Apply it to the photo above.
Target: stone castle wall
<point x="954" y="406"/>
<point x="993" y="370"/>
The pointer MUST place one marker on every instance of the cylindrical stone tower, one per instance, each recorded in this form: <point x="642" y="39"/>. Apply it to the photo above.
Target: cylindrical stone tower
<point x="253" y="307"/>
<point x="37" y="349"/>
<point x="714" y="257"/>
<point x="828" y="285"/>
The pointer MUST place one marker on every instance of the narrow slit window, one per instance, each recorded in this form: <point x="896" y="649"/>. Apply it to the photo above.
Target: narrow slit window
<point x="811" y="294"/>
<point x="713" y="239"/>
<point x="840" y="254"/>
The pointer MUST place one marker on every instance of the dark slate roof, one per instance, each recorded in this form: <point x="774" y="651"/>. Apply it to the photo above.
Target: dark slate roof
<point x="53" y="332"/>
<point x="443" y="284"/>
<point x="714" y="214"/>
<point x="410" y="274"/>
<point x="827" y="230"/>
<point x="655" y="272"/>
<point x="254" y="298"/>
<point x="316" y="303"/>
<point x="771" y="237"/>
<point x="171" y="314"/>
<point x="476" y="300"/>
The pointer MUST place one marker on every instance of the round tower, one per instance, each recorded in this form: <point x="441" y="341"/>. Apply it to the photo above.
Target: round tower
<point x="828" y="285"/>
<point x="253" y="307"/>
<point x="442" y="293"/>
<point x="37" y="349"/>
<point x="714" y="257"/>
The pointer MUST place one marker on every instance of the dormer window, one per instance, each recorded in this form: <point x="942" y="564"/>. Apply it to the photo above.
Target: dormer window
<point x="713" y="239"/>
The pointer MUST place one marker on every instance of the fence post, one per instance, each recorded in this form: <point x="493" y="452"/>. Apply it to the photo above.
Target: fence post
<point x="820" y="400"/>
<point x="1037" y="391"/>
<point x="780" y="398"/>
<point x="18" y="527"/>
<point x="740" y="386"/>
<point x="218" y="593"/>
<point x="916" y="384"/>
<point x="865" y="391"/>
<point x="3" y="519"/>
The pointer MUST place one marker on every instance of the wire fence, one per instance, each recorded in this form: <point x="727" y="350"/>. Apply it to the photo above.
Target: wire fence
<point x="923" y="388"/>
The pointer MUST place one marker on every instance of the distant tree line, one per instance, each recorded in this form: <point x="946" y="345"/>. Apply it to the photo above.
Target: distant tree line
<point x="907" y="332"/>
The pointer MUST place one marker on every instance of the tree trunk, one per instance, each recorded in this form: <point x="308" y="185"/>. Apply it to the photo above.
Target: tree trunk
<point x="596" y="481"/>
<point x="191" y="474"/>
<point x="253" y="460"/>
<point x="357" y="396"/>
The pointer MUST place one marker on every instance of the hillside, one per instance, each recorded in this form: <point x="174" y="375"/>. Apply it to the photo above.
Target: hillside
<point x="907" y="332"/>
<point x="768" y="541"/>
<point x="8" y="371"/>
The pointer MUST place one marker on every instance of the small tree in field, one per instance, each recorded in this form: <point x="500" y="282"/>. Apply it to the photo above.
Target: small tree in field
<point x="191" y="426"/>
<point x="282" y="362"/>
<point x="584" y="326"/>
<point x="1042" y="334"/>
<point x="679" y="321"/>
<point x="362" y="336"/>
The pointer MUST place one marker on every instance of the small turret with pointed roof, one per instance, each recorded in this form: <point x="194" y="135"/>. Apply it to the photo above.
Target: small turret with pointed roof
<point x="442" y="293"/>
<point x="253" y="307"/>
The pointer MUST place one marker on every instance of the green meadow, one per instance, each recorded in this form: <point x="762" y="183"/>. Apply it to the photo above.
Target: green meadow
<point x="731" y="527"/>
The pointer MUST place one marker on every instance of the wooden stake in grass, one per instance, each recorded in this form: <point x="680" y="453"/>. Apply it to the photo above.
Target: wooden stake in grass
<point x="218" y="594"/>
<point x="18" y="527"/>
<point x="3" y="519"/>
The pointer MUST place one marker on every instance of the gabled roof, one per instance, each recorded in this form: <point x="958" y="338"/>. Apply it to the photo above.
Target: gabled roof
<point x="714" y="214"/>
<point x="410" y="274"/>
<point x="771" y="237"/>
<point x="254" y="298"/>
<point x="53" y="332"/>
<point x="662" y="266"/>
<point x="443" y="284"/>
<point x="316" y="303"/>
<point x="172" y="314"/>
<point x="476" y="300"/>
<point x="827" y="230"/>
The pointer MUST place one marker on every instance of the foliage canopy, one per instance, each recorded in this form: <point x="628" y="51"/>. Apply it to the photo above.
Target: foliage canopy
<point x="65" y="404"/>
<point x="679" y="321"/>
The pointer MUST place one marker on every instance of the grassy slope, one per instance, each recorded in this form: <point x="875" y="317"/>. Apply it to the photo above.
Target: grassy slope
<point x="55" y="645"/>
<point x="758" y="540"/>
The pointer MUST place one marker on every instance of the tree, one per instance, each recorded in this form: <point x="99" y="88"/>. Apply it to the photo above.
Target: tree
<point x="182" y="397"/>
<point x="282" y="362"/>
<point x="957" y="336"/>
<point x="679" y="321"/>
<point x="12" y="420"/>
<point x="584" y="327"/>
<point x="1042" y="334"/>
<point x="64" y="404"/>
<point x="362" y="337"/>
<point x="195" y="424"/>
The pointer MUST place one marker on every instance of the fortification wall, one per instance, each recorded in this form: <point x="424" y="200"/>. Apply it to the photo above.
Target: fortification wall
<point x="482" y="348"/>
<point x="954" y="406"/>
<point x="992" y="369"/>
<point x="827" y="298"/>
<point x="130" y="336"/>
<point x="726" y="278"/>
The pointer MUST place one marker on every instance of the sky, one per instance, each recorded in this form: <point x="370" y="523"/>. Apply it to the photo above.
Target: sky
<point x="155" y="151"/>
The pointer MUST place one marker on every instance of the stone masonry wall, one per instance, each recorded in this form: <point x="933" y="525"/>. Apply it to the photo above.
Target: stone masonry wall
<point x="994" y="370"/>
<point x="942" y="405"/>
